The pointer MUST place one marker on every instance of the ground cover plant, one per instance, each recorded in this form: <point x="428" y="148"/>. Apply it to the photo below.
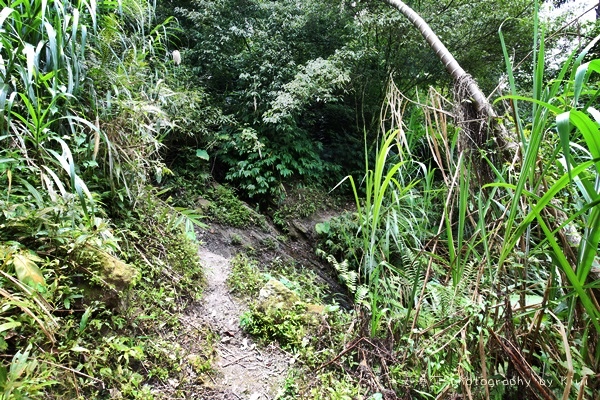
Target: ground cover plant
<point x="502" y="276"/>
<point x="471" y="251"/>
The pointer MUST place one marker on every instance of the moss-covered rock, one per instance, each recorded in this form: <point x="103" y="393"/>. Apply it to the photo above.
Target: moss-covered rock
<point x="110" y="276"/>
<point x="275" y="295"/>
<point x="114" y="271"/>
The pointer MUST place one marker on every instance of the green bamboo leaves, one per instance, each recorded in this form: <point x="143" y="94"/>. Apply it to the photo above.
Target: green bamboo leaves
<point x="389" y="218"/>
<point x="42" y="55"/>
<point x="43" y="47"/>
<point x="377" y="182"/>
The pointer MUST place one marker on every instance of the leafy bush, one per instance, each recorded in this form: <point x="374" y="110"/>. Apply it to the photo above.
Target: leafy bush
<point x="61" y="151"/>
<point x="245" y="278"/>
<point x="262" y="167"/>
<point x="58" y="298"/>
<point x="287" y="327"/>
<point x="227" y="209"/>
<point x="337" y="237"/>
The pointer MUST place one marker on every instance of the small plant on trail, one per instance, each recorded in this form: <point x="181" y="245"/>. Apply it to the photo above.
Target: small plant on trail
<point x="298" y="278"/>
<point x="286" y="326"/>
<point x="245" y="278"/>
<point x="269" y="243"/>
<point x="236" y="239"/>
<point x="227" y="209"/>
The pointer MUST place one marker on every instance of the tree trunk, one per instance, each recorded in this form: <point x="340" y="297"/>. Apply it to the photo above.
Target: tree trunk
<point x="452" y="66"/>
<point x="477" y="117"/>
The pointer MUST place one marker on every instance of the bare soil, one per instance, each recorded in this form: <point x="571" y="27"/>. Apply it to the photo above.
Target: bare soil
<point x="241" y="369"/>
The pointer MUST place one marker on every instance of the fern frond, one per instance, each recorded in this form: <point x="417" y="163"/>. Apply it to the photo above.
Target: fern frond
<point x="346" y="276"/>
<point x="361" y="294"/>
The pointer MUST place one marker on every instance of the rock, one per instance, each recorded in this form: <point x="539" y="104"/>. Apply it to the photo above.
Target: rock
<point x="275" y="295"/>
<point x="301" y="228"/>
<point x="315" y="308"/>
<point x="114" y="271"/>
<point x="203" y="203"/>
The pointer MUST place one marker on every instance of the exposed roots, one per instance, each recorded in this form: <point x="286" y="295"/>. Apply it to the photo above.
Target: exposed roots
<point x="481" y="136"/>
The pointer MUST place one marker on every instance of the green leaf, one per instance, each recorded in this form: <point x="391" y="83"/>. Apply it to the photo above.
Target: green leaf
<point x="84" y="320"/>
<point x="589" y="130"/>
<point x="582" y="74"/>
<point x="3" y="376"/>
<point x="322" y="228"/>
<point x="27" y="271"/>
<point x="202" y="154"/>
<point x="9" y="325"/>
<point x="563" y="126"/>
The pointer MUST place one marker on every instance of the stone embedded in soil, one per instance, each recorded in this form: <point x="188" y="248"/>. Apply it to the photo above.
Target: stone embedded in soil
<point x="275" y="295"/>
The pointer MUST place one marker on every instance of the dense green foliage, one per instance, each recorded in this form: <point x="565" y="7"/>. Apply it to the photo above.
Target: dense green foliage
<point x="110" y="149"/>
<point x="303" y="82"/>
<point x="86" y="285"/>
<point x="504" y="275"/>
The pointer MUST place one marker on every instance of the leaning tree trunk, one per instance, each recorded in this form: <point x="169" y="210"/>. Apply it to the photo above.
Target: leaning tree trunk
<point x="474" y="112"/>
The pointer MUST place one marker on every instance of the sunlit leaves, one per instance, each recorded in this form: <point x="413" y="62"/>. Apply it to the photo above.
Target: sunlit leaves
<point x="581" y="76"/>
<point x="317" y="81"/>
<point x="24" y="265"/>
<point x="27" y="271"/>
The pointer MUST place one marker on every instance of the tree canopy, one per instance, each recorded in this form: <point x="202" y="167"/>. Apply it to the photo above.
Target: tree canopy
<point x="311" y="76"/>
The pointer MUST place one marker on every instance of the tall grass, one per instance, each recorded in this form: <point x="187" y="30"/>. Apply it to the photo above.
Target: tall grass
<point x="501" y="274"/>
<point x="80" y="118"/>
<point x="389" y="201"/>
<point x="43" y="55"/>
<point x="577" y="155"/>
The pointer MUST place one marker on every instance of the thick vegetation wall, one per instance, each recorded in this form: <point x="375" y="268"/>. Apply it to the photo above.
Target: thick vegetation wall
<point x="116" y="118"/>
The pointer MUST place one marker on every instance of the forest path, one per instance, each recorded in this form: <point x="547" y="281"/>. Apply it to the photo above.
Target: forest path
<point x="242" y="369"/>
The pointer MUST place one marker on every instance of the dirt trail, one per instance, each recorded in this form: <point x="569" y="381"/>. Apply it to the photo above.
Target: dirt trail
<point x="243" y="371"/>
<point x="240" y="370"/>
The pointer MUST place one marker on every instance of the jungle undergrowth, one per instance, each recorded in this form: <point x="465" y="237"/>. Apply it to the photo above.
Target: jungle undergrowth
<point x="313" y="332"/>
<point x="106" y="338"/>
